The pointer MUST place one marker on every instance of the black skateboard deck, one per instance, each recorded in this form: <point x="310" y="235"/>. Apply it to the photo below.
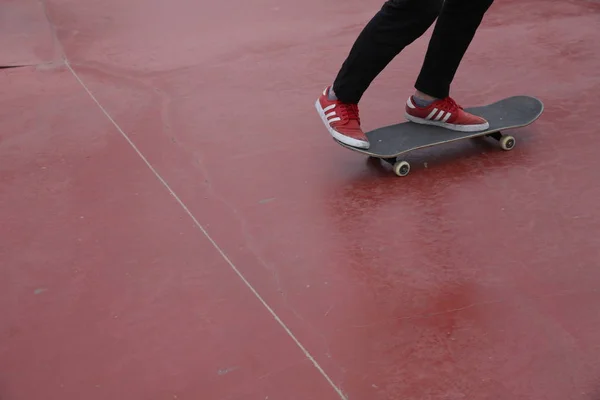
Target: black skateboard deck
<point x="390" y="142"/>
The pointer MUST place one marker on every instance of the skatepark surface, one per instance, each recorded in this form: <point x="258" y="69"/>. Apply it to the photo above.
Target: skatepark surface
<point x="176" y="222"/>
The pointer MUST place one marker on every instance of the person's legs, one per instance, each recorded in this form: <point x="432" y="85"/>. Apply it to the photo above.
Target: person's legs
<point x="454" y="30"/>
<point x="396" y="25"/>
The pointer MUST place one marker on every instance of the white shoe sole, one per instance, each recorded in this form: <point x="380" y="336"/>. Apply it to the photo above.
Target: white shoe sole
<point x="338" y="136"/>
<point x="453" y="127"/>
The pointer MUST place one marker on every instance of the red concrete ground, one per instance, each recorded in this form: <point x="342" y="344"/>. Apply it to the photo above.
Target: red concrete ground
<point x="177" y="224"/>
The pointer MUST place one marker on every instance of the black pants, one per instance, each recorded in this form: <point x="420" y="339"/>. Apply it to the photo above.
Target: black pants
<point x="398" y="24"/>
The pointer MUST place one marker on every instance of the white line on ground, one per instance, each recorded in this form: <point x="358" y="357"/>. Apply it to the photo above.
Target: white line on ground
<point x="210" y="239"/>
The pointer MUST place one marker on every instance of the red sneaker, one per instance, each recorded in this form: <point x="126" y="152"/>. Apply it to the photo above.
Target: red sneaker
<point x="445" y="113"/>
<point x="342" y="121"/>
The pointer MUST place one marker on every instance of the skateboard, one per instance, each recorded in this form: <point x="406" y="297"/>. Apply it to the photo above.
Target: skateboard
<point x="390" y="142"/>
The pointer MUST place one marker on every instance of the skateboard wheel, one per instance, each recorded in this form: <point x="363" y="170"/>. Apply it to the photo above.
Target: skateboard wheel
<point x="401" y="168"/>
<point x="507" y="143"/>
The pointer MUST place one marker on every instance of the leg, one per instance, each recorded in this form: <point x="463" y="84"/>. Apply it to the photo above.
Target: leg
<point x="455" y="28"/>
<point x="395" y="26"/>
<point x="453" y="33"/>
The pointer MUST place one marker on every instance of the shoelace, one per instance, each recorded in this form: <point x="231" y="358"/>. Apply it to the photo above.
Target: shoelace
<point x="450" y="105"/>
<point x="349" y="112"/>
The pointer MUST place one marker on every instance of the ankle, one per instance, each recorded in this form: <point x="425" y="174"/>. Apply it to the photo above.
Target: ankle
<point x="424" y="96"/>
<point x="423" y="100"/>
<point x="331" y="94"/>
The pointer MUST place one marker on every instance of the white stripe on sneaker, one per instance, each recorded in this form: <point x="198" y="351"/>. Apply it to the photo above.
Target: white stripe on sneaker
<point x="440" y="115"/>
<point x="332" y="117"/>
<point x="447" y="117"/>
<point x="431" y="114"/>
